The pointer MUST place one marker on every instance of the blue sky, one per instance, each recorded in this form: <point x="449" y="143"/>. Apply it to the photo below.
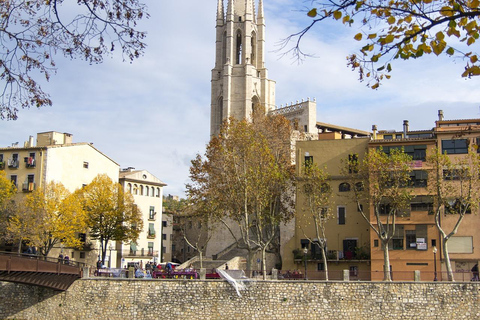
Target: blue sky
<point x="154" y="113"/>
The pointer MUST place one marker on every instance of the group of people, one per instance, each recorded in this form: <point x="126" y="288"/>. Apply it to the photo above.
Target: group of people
<point x="65" y="259"/>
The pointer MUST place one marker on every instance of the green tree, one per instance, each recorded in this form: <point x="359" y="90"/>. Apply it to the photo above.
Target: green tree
<point x="456" y="190"/>
<point x="382" y="181"/>
<point x="246" y="177"/>
<point x="111" y="213"/>
<point x="49" y="216"/>
<point x="401" y="29"/>
<point x="33" y="32"/>
<point x="317" y="194"/>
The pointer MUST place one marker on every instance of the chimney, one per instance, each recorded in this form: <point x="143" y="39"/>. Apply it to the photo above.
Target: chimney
<point x="440" y="115"/>
<point x="405" y="129"/>
<point x="374" y="130"/>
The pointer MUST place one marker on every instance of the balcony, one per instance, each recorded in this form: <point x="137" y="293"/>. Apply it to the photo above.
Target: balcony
<point x="143" y="252"/>
<point x="12" y="163"/>
<point x="151" y="235"/>
<point x="28" y="186"/>
<point x="30" y="162"/>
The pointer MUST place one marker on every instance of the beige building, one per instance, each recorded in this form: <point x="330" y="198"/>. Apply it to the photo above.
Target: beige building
<point x="55" y="157"/>
<point x="147" y="191"/>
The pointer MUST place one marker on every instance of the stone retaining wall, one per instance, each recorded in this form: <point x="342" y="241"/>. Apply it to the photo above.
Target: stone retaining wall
<point x="195" y="299"/>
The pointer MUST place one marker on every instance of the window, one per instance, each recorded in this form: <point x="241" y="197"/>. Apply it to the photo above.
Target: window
<point x="29" y="184"/>
<point x="82" y="237"/>
<point x="308" y="161"/>
<point x="150" y="248"/>
<point x="398" y="136"/>
<point x="457" y="146"/>
<point x="164" y="224"/>
<point x="375" y="243"/>
<point x="316" y="252"/>
<point x="164" y="236"/>
<point x="151" y="213"/>
<point x="344" y="187"/>
<point x="13" y="179"/>
<point x="239" y="47"/>
<point x="141" y="190"/>
<point x="135" y="189"/>
<point x="82" y="255"/>
<point x="13" y="161"/>
<point x="30" y="160"/>
<point x="353" y="163"/>
<point x="417" y="152"/>
<point x="455" y="206"/>
<point x="418" y="178"/>
<point x="385" y="208"/>
<point x="320" y="266"/>
<point x="411" y="239"/>
<point x="304" y="243"/>
<point x="353" y="270"/>
<point x="422" y="203"/>
<point x="341" y="215"/>
<point x="359" y="186"/>
<point x="133" y="248"/>
<point x="454" y="174"/>
<point x="85" y="164"/>
<point x="397" y="239"/>
<point x="151" y="230"/>
<point x="387" y="137"/>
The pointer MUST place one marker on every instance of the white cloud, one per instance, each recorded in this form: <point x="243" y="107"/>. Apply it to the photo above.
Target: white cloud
<point x="154" y="114"/>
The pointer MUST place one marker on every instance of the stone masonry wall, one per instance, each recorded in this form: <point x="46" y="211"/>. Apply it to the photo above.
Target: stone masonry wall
<point x="194" y="299"/>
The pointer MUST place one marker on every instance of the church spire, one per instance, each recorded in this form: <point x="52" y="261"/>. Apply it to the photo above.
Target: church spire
<point x="220" y="13"/>
<point x="230" y="13"/>
<point x="260" y="9"/>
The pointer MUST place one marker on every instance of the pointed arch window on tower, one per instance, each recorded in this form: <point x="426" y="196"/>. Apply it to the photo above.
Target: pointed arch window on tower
<point x="224" y="48"/>
<point x="254" y="48"/>
<point x="219" y="114"/>
<point x="239" y="48"/>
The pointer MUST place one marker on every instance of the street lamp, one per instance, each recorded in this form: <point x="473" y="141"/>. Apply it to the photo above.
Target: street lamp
<point x="305" y="251"/>
<point x="435" y="263"/>
<point x="110" y="256"/>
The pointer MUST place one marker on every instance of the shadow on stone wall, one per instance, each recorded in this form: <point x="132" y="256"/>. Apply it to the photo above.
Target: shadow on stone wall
<point x="17" y="297"/>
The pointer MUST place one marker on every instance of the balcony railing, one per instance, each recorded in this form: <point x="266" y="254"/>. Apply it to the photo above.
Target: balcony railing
<point x="142" y="252"/>
<point x="28" y="186"/>
<point x="12" y="163"/>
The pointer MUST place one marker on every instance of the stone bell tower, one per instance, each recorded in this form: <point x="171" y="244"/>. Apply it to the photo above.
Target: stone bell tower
<point x="239" y="79"/>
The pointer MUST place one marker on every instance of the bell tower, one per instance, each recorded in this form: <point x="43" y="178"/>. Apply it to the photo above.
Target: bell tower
<point x="239" y="79"/>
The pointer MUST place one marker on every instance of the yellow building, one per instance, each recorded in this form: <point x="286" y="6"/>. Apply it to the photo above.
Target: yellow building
<point x="347" y="233"/>
<point x="416" y="237"/>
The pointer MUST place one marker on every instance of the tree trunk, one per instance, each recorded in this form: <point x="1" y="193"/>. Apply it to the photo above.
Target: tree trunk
<point x="324" y="258"/>
<point x="386" y="262"/>
<point x="264" y="263"/>
<point x="448" y="264"/>
<point x="249" y="263"/>
<point x="201" y="258"/>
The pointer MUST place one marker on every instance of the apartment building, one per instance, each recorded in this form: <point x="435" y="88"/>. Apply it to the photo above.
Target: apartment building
<point x="147" y="191"/>
<point x="55" y="157"/>
<point x="416" y="243"/>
